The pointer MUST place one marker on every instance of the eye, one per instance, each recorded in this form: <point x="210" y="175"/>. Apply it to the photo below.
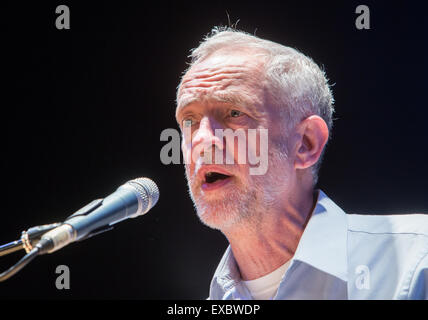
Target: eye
<point x="235" y="113"/>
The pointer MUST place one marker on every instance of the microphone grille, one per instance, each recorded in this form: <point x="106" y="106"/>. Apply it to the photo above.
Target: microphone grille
<point x="148" y="192"/>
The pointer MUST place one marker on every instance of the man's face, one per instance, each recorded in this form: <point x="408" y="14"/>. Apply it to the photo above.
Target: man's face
<point x="227" y="91"/>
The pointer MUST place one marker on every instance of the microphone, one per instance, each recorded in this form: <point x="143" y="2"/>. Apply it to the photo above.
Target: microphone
<point x="132" y="199"/>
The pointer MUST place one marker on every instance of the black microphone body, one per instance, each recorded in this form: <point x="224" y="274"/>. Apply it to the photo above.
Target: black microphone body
<point x="134" y="198"/>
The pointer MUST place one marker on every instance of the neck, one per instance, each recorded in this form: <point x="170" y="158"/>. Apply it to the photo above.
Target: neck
<point x="262" y="247"/>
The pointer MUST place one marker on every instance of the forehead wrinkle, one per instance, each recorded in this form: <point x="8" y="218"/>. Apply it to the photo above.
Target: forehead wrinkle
<point x="215" y="78"/>
<point x="205" y="73"/>
<point x="214" y="73"/>
<point x="231" y="83"/>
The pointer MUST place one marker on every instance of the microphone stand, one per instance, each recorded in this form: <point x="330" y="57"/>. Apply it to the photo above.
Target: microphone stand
<point x="28" y="239"/>
<point x="10" y="247"/>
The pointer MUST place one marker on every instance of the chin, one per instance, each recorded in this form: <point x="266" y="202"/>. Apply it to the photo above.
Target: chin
<point x="225" y="207"/>
<point x="226" y="212"/>
<point x="216" y="214"/>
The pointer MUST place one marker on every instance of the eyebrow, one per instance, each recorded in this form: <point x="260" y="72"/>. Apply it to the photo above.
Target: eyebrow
<point x="234" y="98"/>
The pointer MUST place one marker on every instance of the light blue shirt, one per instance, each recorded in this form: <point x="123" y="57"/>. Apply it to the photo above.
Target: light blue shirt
<point x="345" y="256"/>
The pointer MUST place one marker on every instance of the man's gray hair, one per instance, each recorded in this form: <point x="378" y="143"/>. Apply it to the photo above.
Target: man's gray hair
<point x="296" y="83"/>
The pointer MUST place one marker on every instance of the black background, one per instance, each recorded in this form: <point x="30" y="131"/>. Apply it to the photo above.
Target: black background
<point x="83" y="109"/>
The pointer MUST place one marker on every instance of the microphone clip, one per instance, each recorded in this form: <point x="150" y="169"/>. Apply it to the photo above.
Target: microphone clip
<point x="87" y="210"/>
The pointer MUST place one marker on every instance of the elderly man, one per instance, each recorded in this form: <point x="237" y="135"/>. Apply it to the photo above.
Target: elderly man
<point x="287" y="239"/>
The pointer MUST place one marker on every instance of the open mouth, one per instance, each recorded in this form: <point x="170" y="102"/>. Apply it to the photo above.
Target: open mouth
<point x="211" y="177"/>
<point x="214" y="180"/>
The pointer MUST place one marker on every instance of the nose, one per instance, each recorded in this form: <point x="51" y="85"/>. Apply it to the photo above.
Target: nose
<point x="204" y="137"/>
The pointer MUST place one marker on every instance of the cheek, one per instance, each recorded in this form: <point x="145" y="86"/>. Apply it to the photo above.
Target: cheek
<point x="187" y="168"/>
<point x="189" y="165"/>
<point x="189" y="173"/>
<point x="186" y="149"/>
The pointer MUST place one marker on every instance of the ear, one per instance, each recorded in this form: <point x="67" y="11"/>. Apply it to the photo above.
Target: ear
<point x="313" y="135"/>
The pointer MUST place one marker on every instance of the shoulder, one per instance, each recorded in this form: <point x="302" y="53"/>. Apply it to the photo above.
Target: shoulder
<point x="396" y="224"/>
<point x="394" y="249"/>
<point x="413" y="223"/>
<point x="404" y="233"/>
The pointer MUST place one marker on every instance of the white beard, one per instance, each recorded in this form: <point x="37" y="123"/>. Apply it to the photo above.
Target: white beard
<point x="245" y="202"/>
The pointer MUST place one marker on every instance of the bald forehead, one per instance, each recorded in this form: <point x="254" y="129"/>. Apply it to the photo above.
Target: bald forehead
<point x="233" y="56"/>
<point x="224" y="76"/>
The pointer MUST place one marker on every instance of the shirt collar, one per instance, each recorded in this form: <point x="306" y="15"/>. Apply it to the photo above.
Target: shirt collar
<point x="323" y="245"/>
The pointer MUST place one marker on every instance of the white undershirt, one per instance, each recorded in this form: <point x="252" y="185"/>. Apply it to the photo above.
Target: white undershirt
<point x="265" y="288"/>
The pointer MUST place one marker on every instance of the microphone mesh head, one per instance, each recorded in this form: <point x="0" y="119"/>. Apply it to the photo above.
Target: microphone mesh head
<point x="148" y="192"/>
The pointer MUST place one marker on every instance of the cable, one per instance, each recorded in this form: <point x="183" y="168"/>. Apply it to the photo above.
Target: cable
<point x="20" y="264"/>
<point x="29" y="239"/>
